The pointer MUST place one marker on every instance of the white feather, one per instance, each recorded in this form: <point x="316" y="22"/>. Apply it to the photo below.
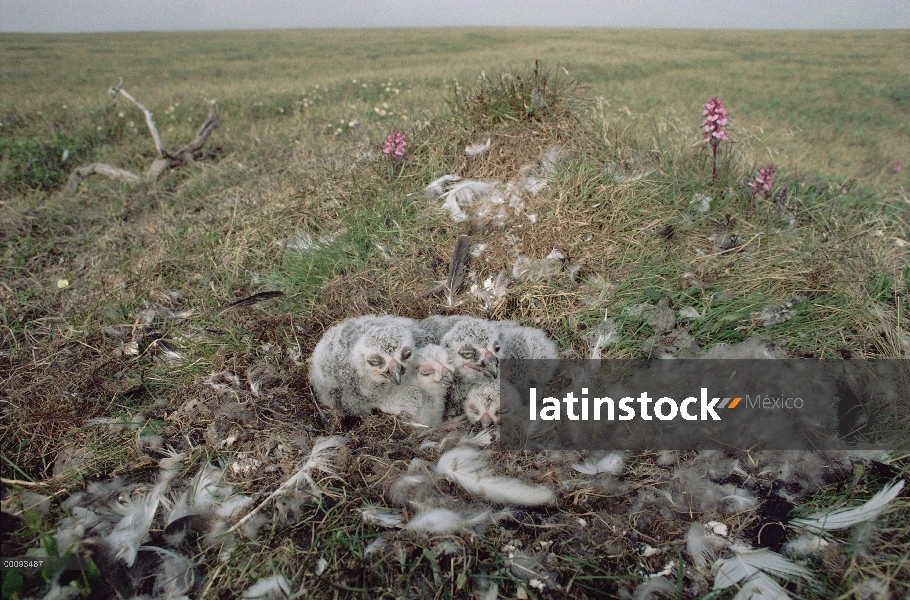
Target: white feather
<point x="442" y="521"/>
<point x="268" y="588"/>
<point x="701" y="544"/>
<point x="232" y="506"/>
<point x="137" y="516"/>
<point x="374" y="547"/>
<point x="586" y="468"/>
<point x="747" y="562"/>
<point x="847" y="517"/>
<point x="478" y="148"/>
<point x="438" y="186"/>
<point x="761" y="587"/>
<point x="466" y="191"/>
<point x="805" y="545"/>
<point x="381" y="517"/>
<point x="175" y="575"/>
<point x="612" y="464"/>
<point x="481" y="439"/>
<point x="321" y="565"/>
<point x="492" y="592"/>
<point x="62" y="592"/>
<point x="466" y="468"/>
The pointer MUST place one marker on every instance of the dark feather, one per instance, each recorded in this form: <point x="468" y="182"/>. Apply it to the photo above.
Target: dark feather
<point x="457" y="267"/>
<point x="254" y="299"/>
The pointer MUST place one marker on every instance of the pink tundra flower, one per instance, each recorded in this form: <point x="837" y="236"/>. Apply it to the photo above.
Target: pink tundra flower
<point x="715" y="120"/>
<point x="395" y="144"/>
<point x="761" y="184"/>
<point x="715" y="128"/>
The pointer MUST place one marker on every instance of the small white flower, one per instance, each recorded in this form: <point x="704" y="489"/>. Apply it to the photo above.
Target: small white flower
<point x="62" y="283"/>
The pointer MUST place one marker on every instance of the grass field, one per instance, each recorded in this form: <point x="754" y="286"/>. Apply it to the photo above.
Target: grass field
<point x="96" y="285"/>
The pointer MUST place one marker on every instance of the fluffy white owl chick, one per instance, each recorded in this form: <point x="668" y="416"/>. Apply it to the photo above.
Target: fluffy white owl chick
<point x="359" y="360"/>
<point x="475" y="346"/>
<point x="521" y="342"/>
<point x="381" y="357"/>
<point x="422" y="394"/>
<point x="432" y="329"/>
<point x="433" y="371"/>
<point x="483" y="402"/>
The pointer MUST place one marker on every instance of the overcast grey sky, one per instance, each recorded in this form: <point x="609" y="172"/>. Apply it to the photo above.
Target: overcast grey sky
<point x="143" y="15"/>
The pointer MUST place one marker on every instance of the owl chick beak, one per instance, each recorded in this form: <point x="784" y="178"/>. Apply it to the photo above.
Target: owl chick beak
<point x="395" y="371"/>
<point x="486" y="420"/>
<point x="489" y="366"/>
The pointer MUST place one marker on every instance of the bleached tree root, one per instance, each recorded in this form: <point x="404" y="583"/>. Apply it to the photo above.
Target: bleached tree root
<point x="76" y="177"/>
<point x="164" y="159"/>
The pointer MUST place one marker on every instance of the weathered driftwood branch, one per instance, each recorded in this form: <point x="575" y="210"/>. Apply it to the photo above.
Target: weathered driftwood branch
<point x="114" y="90"/>
<point x="76" y="177"/>
<point x="176" y="158"/>
<point x="164" y="159"/>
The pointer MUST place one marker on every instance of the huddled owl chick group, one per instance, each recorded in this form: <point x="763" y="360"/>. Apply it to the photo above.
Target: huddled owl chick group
<point x="428" y="369"/>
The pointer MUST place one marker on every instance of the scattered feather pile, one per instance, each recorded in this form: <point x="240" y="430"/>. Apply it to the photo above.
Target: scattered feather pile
<point x="318" y="460"/>
<point x="488" y="200"/>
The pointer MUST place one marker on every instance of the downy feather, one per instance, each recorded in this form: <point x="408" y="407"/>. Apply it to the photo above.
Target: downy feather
<point x="268" y="588"/>
<point x="467" y="468"/>
<point x="137" y="514"/>
<point x="701" y="544"/>
<point x="478" y="148"/>
<point x="442" y="521"/>
<point x="438" y="186"/>
<point x="612" y="464"/>
<point x="381" y="517"/>
<point x="175" y="574"/>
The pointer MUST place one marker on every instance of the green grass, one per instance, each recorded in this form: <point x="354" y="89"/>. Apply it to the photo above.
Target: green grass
<point x="304" y="117"/>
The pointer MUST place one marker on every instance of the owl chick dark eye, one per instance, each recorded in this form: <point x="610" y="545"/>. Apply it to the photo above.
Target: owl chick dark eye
<point x="374" y="361"/>
<point x="406" y="354"/>
<point x="496" y="347"/>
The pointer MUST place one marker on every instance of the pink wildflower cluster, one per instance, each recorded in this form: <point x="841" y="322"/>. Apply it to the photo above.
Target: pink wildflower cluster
<point x="715" y="121"/>
<point x="395" y="144"/>
<point x="761" y="184"/>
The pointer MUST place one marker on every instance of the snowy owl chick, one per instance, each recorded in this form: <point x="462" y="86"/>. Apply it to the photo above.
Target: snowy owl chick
<point x="423" y="390"/>
<point x="483" y="402"/>
<point x="521" y="342"/>
<point x="432" y="329"/>
<point x="359" y="360"/>
<point x="433" y="371"/>
<point x="475" y="346"/>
